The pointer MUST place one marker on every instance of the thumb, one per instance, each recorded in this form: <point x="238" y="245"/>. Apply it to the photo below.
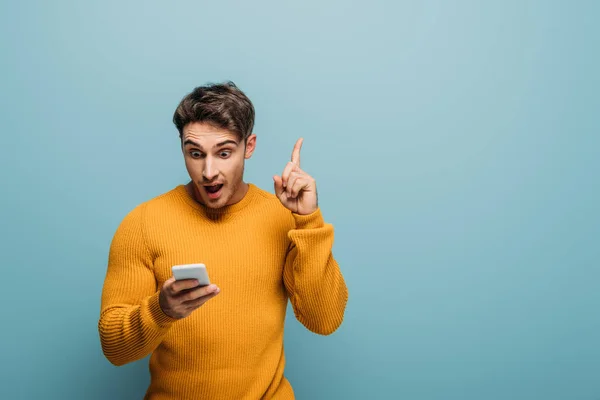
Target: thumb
<point x="278" y="183"/>
<point x="168" y="282"/>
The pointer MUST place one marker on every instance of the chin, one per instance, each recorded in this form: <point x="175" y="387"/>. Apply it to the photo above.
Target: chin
<point x="216" y="204"/>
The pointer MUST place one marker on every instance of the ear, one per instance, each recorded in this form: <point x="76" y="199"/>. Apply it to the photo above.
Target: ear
<point x="250" y="146"/>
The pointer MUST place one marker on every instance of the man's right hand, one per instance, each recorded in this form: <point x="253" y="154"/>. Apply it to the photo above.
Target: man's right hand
<point x="179" y="298"/>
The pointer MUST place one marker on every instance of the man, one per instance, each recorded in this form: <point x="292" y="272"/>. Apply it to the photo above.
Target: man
<point x="225" y="340"/>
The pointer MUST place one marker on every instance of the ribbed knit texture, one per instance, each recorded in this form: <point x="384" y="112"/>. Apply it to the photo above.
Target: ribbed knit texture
<point x="258" y="253"/>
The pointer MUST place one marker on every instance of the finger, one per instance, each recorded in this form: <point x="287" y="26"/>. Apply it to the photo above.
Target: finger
<point x="183" y="284"/>
<point x="299" y="185"/>
<point x="289" y="167"/>
<point x="296" y="151"/>
<point x="193" y="304"/>
<point x="291" y="180"/>
<point x="168" y="286"/>
<point x="197" y="293"/>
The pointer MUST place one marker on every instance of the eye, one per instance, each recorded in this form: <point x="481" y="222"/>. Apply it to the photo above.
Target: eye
<point x="225" y="153"/>
<point x="195" y="154"/>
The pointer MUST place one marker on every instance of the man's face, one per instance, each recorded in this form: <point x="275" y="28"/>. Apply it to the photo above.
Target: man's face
<point x="214" y="159"/>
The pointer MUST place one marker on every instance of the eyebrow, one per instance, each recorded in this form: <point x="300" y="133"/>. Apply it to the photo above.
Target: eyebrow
<point x="223" y="143"/>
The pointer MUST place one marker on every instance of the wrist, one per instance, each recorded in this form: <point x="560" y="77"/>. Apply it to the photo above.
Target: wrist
<point x="309" y="221"/>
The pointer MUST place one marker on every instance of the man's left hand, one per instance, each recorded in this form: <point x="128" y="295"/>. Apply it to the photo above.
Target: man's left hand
<point x="296" y="190"/>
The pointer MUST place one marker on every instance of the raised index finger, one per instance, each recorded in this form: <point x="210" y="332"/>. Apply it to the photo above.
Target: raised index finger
<point x="296" y="152"/>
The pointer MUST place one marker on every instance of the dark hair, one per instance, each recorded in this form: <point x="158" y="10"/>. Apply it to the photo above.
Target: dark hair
<point x="223" y="105"/>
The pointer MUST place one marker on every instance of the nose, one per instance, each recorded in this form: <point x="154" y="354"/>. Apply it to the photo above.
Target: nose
<point x="210" y="171"/>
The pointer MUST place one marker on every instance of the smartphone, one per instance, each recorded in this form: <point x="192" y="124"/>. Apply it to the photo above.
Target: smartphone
<point x="191" y="271"/>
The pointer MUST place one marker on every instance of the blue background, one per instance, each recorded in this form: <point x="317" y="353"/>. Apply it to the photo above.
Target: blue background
<point x="455" y="147"/>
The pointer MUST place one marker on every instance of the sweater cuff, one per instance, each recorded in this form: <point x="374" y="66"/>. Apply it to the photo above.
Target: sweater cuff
<point x="309" y="221"/>
<point x="159" y="317"/>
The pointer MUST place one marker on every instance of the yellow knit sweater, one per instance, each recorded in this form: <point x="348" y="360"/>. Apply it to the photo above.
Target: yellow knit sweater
<point x="258" y="253"/>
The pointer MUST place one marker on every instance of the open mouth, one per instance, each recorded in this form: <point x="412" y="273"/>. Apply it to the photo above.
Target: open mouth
<point x="213" y="191"/>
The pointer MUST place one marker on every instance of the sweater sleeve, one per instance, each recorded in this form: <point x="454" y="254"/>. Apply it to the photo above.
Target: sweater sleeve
<point x="312" y="276"/>
<point x="131" y="323"/>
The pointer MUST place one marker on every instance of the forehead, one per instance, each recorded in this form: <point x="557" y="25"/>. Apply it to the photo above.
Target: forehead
<point x="207" y="134"/>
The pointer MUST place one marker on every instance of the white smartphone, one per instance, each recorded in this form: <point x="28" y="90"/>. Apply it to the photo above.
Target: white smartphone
<point x="191" y="271"/>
